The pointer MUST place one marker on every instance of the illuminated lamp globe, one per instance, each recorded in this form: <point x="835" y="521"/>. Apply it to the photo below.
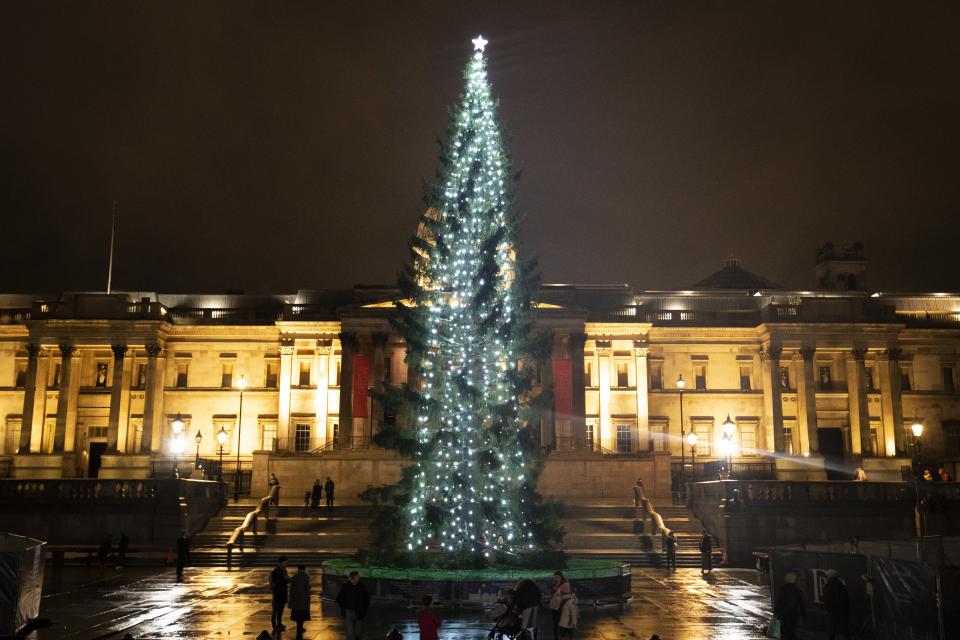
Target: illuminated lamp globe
<point x="177" y="424"/>
<point x="728" y="426"/>
<point x="917" y="428"/>
<point x="222" y="436"/>
<point x="681" y="383"/>
<point x="692" y="439"/>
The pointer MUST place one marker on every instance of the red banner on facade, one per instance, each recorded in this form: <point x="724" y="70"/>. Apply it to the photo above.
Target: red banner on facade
<point x="562" y="387"/>
<point x="361" y="378"/>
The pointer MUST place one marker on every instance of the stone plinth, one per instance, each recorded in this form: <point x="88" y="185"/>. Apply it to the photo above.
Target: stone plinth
<point x="46" y="466"/>
<point x="801" y="468"/>
<point x="885" y="469"/>
<point x="124" y="467"/>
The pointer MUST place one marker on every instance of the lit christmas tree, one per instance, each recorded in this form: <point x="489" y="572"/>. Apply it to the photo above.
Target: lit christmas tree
<point x="466" y="316"/>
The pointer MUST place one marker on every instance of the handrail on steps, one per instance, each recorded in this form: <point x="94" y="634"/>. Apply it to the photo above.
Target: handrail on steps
<point x="236" y="538"/>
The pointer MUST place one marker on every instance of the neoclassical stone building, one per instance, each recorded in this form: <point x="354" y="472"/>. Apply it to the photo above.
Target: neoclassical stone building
<point x="91" y="384"/>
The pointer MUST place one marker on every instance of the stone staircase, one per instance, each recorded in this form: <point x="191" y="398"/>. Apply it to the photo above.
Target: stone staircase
<point x="599" y="531"/>
<point x="617" y="532"/>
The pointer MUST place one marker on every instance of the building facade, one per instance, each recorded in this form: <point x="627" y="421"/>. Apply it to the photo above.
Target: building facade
<point x="92" y="384"/>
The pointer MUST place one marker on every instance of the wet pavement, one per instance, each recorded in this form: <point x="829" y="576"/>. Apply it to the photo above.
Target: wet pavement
<point x="90" y="603"/>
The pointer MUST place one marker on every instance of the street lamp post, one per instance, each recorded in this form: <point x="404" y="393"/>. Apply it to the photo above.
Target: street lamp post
<point x="917" y="429"/>
<point x="176" y="443"/>
<point x="728" y="428"/>
<point x="241" y="384"/>
<point x="221" y="440"/>
<point x="196" y="461"/>
<point x="692" y="440"/>
<point x="683" y="462"/>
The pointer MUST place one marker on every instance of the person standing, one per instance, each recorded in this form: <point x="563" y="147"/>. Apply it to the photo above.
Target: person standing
<point x="639" y="497"/>
<point x="328" y="487"/>
<point x="300" y="598"/>
<point x="274" y="482"/>
<point x="861" y="475"/>
<point x="122" y="547"/>
<point x="569" y="616"/>
<point x="183" y="554"/>
<point x="836" y="600"/>
<point x="428" y="620"/>
<point x="279" y="586"/>
<point x="671" y="546"/>
<point x="354" y="602"/>
<point x="559" y="589"/>
<point x="789" y="607"/>
<point x="706" y="553"/>
<point x="528" y="598"/>
<point x="315" y="493"/>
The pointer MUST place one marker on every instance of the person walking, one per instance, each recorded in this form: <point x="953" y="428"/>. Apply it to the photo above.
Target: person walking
<point x="706" y="553"/>
<point x="569" y="616"/>
<point x="836" y="600"/>
<point x="183" y="554"/>
<point x="559" y="589"/>
<point x="122" y="546"/>
<point x="428" y="620"/>
<point x="328" y="487"/>
<point x="527" y="597"/>
<point x="639" y="497"/>
<point x="315" y="493"/>
<point x="274" y="482"/>
<point x="279" y="587"/>
<point x="788" y="607"/>
<point x="300" y="598"/>
<point x="354" y="602"/>
<point x="671" y="546"/>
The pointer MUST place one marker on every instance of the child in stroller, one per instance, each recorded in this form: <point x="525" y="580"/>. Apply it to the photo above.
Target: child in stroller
<point x="506" y="618"/>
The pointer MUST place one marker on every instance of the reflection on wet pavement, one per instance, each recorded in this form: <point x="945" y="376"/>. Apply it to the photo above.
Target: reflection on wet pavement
<point x="85" y="604"/>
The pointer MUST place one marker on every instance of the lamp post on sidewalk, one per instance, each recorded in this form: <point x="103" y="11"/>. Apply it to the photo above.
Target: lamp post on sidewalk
<point x="241" y="384"/>
<point x="196" y="461"/>
<point x="917" y="429"/>
<point x="681" y="383"/>
<point x="177" y="445"/>
<point x="692" y="441"/>
<point x="221" y="440"/>
<point x="729" y="426"/>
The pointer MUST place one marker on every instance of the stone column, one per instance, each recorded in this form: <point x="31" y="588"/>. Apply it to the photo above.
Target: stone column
<point x="119" y="401"/>
<point x="860" y="441"/>
<point x="807" y="402"/>
<point x="34" y="400"/>
<point x="773" y="398"/>
<point x="348" y="347"/>
<point x="643" y="397"/>
<point x="283" y="412"/>
<point x="548" y="420"/>
<point x="70" y="433"/>
<point x="379" y="378"/>
<point x="891" y="404"/>
<point x="67" y="397"/>
<point x="321" y="368"/>
<point x="578" y="419"/>
<point x="606" y="437"/>
<point x="153" y="401"/>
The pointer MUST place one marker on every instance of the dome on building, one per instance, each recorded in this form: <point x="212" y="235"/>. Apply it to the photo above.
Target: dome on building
<point x="733" y="276"/>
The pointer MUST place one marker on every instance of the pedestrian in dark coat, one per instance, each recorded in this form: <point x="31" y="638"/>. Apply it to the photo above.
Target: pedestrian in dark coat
<point x="279" y="587"/>
<point x="315" y="492"/>
<point x="789" y="607"/>
<point x="328" y="487"/>
<point x="300" y="598"/>
<point x="527" y="598"/>
<point x="836" y="600"/>
<point x="706" y="553"/>
<point x="671" y="543"/>
<point x="122" y="547"/>
<point x="106" y="548"/>
<point x="271" y="483"/>
<point x="354" y="602"/>
<point x="183" y="554"/>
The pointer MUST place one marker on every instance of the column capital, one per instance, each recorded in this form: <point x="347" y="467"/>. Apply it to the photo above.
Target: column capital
<point x="154" y="350"/>
<point x="577" y="340"/>
<point x="348" y="340"/>
<point x="33" y="349"/>
<point x="858" y="354"/>
<point x="119" y="351"/>
<point x="771" y="352"/>
<point x="641" y="352"/>
<point x="67" y="350"/>
<point x="380" y="338"/>
<point x="894" y="353"/>
<point x="286" y="346"/>
<point x="604" y="353"/>
<point x="806" y="353"/>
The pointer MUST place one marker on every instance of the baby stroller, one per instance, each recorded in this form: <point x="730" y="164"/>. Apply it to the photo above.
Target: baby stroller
<point x="506" y="621"/>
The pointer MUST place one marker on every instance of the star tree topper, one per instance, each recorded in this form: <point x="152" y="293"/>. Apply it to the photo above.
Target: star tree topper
<point x="479" y="43"/>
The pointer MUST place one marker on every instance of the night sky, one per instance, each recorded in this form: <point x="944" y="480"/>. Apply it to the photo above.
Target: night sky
<point x="272" y="146"/>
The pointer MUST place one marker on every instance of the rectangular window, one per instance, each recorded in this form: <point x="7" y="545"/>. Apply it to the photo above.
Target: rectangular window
<point x="268" y="435"/>
<point x="825" y="378"/>
<point x="12" y="444"/>
<point x="875" y="437"/>
<point x="905" y="384"/>
<point x="624" y="438"/>
<point x="658" y="431"/>
<point x="748" y="438"/>
<point x="182" y="368"/>
<point x="656" y="377"/>
<point x="623" y="375"/>
<point x="302" y="437"/>
<point x="704" y="442"/>
<point x="746" y="372"/>
<point x="226" y="375"/>
<point x="304" y="373"/>
<point x="141" y="380"/>
<point x="336" y="430"/>
<point x="869" y="380"/>
<point x="946" y="373"/>
<point x="101" y="379"/>
<point x="700" y="376"/>
<point x="20" y="377"/>
<point x="588" y="373"/>
<point x="951" y="438"/>
<point x="97" y="432"/>
<point x="591" y="430"/>
<point x="788" y="433"/>
<point x="785" y="379"/>
<point x="271" y="380"/>
<point x="336" y="375"/>
<point x="388" y="370"/>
